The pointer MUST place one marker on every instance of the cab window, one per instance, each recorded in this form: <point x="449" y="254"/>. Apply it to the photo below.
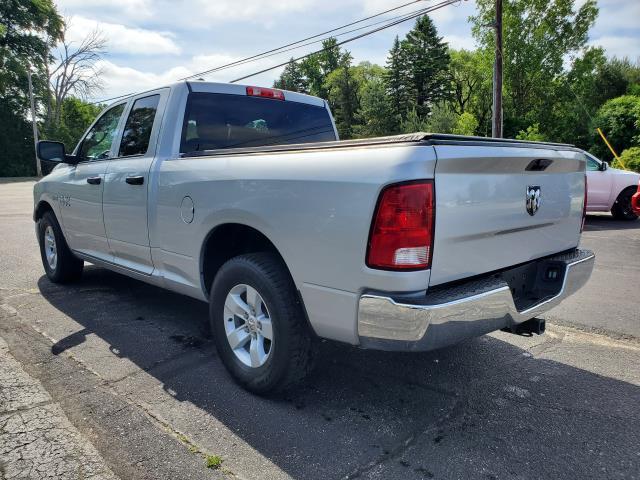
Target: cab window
<point x="97" y="144"/>
<point x="137" y="130"/>
<point x="592" y="165"/>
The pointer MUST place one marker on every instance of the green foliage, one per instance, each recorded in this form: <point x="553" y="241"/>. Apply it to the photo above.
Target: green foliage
<point x="443" y="119"/>
<point x="630" y="159"/>
<point x="532" y="133"/>
<point x="538" y="36"/>
<point x="413" y="123"/>
<point x="28" y="29"/>
<point x="76" y="116"/>
<point x="342" y="93"/>
<point x="619" y="119"/>
<point x="428" y="62"/>
<point x="398" y="89"/>
<point x="292" y="78"/>
<point x="466" y="124"/>
<point x="375" y="117"/>
<point x="17" y="155"/>
<point x="213" y="461"/>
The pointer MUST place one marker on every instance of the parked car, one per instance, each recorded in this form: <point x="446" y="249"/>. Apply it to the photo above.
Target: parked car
<point x="243" y="197"/>
<point x="635" y="201"/>
<point x="610" y="189"/>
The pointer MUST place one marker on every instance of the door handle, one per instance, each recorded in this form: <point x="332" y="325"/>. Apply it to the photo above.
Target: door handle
<point x="94" y="180"/>
<point x="137" y="180"/>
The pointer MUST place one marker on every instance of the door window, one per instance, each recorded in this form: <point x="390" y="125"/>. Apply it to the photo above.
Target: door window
<point x="97" y="144"/>
<point x="592" y="165"/>
<point x="137" y="130"/>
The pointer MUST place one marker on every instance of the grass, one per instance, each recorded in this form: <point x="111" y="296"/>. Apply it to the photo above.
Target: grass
<point x="213" y="461"/>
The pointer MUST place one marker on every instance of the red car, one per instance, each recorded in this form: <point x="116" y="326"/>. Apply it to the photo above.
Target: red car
<point x="635" y="201"/>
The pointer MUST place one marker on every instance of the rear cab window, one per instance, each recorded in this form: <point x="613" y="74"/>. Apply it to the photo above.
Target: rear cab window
<point x="218" y="121"/>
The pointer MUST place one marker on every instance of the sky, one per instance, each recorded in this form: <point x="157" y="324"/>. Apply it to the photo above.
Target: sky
<point x="154" y="42"/>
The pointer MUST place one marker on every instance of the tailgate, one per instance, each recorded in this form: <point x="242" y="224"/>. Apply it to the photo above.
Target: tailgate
<point x="482" y="221"/>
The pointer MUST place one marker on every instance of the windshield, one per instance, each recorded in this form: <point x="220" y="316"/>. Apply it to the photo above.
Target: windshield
<point x="214" y="121"/>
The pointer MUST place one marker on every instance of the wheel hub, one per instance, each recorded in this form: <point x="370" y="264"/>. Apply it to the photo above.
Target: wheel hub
<point x="248" y="325"/>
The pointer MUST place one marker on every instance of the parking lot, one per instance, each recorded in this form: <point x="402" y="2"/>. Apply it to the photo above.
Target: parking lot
<point x="134" y="372"/>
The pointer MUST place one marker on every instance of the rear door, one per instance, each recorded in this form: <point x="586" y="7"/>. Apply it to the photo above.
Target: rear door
<point x="126" y="188"/>
<point x="498" y="206"/>
<point x="81" y="192"/>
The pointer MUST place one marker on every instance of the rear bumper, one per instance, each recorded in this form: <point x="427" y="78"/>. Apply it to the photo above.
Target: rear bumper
<point x="448" y="315"/>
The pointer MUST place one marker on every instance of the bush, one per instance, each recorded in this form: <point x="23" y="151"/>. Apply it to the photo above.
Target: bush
<point x="630" y="159"/>
<point x="532" y="133"/>
<point x="619" y="119"/>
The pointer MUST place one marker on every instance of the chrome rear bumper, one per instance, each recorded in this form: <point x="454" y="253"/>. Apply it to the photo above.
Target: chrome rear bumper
<point x="448" y="315"/>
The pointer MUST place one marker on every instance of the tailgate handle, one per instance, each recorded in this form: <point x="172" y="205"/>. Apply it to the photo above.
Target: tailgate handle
<point x="538" y="165"/>
<point x="94" y="180"/>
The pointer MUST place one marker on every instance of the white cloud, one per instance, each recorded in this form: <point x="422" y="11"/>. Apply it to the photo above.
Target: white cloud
<point x="619" y="46"/>
<point x="139" y="8"/>
<point x="122" y="80"/>
<point x="460" y="41"/>
<point x="123" y="39"/>
<point x="260" y="10"/>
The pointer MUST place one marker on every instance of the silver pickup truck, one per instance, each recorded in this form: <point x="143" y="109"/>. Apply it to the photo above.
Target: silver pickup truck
<point x="243" y="197"/>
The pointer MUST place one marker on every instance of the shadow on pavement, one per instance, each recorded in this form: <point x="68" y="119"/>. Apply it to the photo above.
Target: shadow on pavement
<point x="607" y="222"/>
<point x="483" y="409"/>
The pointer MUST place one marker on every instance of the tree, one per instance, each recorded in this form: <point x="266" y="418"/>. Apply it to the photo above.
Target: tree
<point x="428" y="62"/>
<point x="466" y="124"/>
<point x="28" y="29"/>
<point x="539" y="35"/>
<point x="619" y="119"/>
<point x="375" y="116"/>
<point x="397" y="83"/>
<point x="292" y="78"/>
<point x="532" y="133"/>
<point x="317" y="67"/>
<point x="630" y="159"/>
<point x="342" y="93"/>
<point x="75" y="117"/>
<point x="75" y="72"/>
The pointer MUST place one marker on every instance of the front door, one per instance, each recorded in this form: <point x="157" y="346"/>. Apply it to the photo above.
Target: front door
<point x="127" y="186"/>
<point x="81" y="192"/>
<point x="599" y="185"/>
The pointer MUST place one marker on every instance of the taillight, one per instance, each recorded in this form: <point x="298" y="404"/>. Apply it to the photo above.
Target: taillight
<point x="402" y="230"/>
<point x="265" y="92"/>
<point x="584" y="206"/>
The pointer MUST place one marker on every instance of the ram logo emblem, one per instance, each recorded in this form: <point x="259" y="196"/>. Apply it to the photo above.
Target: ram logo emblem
<point x="533" y="199"/>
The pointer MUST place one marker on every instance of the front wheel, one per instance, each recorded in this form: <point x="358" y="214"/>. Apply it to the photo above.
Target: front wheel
<point x="60" y="265"/>
<point x="621" y="209"/>
<point x="258" y="324"/>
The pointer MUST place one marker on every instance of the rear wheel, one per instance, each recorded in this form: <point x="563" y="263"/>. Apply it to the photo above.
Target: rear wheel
<point x="60" y="265"/>
<point x="621" y="209"/>
<point x="258" y="324"/>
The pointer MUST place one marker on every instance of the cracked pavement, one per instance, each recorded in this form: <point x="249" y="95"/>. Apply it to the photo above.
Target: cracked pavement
<point x="134" y="372"/>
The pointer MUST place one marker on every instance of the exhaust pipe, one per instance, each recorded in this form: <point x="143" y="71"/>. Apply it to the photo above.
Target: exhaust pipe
<point x="528" y="328"/>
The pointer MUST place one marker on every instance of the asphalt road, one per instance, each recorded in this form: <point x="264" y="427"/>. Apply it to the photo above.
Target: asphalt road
<point x="136" y="374"/>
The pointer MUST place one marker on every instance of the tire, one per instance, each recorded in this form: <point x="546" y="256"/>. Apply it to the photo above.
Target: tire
<point x="279" y="361"/>
<point x="621" y="209"/>
<point x="60" y="265"/>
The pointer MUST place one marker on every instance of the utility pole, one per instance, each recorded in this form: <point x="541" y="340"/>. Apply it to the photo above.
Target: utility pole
<point x="33" y="120"/>
<point x="496" y="120"/>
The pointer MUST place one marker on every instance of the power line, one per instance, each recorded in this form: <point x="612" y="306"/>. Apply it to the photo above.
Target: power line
<point x="391" y="22"/>
<point x="303" y="40"/>
<point x="266" y="53"/>
<point x="284" y="50"/>
<point x="351" y="39"/>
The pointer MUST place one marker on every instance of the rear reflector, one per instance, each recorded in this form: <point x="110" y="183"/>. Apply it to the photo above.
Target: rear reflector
<point x="402" y="231"/>
<point x="265" y="92"/>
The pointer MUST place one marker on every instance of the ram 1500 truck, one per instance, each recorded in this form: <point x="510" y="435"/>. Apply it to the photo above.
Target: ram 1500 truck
<point x="243" y="197"/>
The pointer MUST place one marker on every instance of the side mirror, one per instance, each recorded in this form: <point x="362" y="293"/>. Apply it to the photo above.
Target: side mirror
<point x="49" y="151"/>
<point x="603" y="166"/>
